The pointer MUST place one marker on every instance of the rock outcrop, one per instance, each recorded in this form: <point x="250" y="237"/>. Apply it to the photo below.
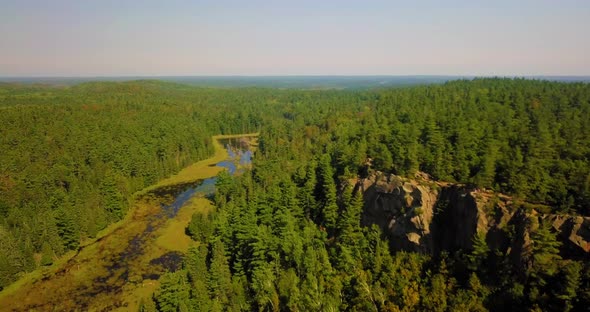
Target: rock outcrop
<point x="402" y="207"/>
<point x="426" y="216"/>
<point x="574" y="232"/>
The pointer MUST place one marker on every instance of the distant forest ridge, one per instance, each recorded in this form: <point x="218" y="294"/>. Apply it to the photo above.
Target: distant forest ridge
<point x="295" y="82"/>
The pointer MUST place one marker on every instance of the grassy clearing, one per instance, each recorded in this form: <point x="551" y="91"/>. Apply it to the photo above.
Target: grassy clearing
<point x="173" y="237"/>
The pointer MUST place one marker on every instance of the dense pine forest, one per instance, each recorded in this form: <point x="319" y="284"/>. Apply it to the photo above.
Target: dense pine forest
<point x="287" y="235"/>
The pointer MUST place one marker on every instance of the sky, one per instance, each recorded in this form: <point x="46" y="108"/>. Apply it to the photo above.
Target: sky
<point x="303" y="37"/>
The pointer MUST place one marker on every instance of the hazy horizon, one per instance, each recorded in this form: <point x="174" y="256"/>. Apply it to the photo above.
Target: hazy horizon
<point x="281" y="82"/>
<point x="6" y="77"/>
<point x="260" y="38"/>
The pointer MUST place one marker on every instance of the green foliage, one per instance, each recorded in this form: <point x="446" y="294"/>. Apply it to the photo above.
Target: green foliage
<point x="349" y="228"/>
<point x="545" y="251"/>
<point x="12" y="259"/>
<point x="305" y="195"/>
<point x="479" y="254"/>
<point x="201" y="227"/>
<point x="472" y="298"/>
<point x="327" y="195"/>
<point x="113" y="200"/>
<point x="47" y="254"/>
<point x="67" y="230"/>
<point x="219" y="278"/>
<point x="287" y="234"/>
<point x="293" y="233"/>
<point x="70" y="162"/>
<point x="172" y="295"/>
<point x="567" y="285"/>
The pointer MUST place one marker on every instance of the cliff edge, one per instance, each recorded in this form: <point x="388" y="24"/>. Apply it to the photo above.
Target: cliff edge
<point x="428" y="216"/>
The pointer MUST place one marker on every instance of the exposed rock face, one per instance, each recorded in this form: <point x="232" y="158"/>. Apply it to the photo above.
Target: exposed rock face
<point x="574" y="232"/>
<point x="427" y="216"/>
<point x="402" y="207"/>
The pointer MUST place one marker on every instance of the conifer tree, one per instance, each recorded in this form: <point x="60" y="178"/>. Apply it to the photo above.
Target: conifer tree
<point x="219" y="277"/>
<point x="479" y="253"/>
<point x="172" y="295"/>
<point x="67" y="230"/>
<point x="306" y="195"/>
<point x="327" y="190"/>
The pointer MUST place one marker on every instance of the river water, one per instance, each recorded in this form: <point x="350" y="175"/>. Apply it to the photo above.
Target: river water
<point x="239" y="157"/>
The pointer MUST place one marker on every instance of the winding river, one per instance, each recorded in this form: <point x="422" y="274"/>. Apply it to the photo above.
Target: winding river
<point x="121" y="268"/>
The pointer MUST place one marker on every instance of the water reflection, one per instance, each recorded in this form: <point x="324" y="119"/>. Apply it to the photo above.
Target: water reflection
<point x="240" y="156"/>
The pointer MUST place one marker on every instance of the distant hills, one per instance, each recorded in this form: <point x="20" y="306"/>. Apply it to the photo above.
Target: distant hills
<point x="286" y="82"/>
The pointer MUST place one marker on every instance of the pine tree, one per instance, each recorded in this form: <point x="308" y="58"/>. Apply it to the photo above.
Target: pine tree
<point x="327" y="190"/>
<point x="568" y="284"/>
<point x="196" y="267"/>
<point x="67" y="230"/>
<point x="545" y="251"/>
<point x="288" y="199"/>
<point x="433" y="142"/>
<point x="172" y="294"/>
<point x="350" y="233"/>
<point x="113" y="199"/>
<point x="306" y="192"/>
<point x="201" y="227"/>
<point x="263" y="286"/>
<point x="479" y="254"/>
<point x="219" y="277"/>
<point x="47" y="254"/>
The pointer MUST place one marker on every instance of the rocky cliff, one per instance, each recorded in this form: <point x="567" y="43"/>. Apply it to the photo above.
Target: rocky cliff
<point x="427" y="216"/>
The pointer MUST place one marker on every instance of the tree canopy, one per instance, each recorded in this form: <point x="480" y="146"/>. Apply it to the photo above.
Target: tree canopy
<point x="286" y="235"/>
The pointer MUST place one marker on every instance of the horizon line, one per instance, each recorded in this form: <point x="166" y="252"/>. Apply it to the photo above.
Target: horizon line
<point x="294" y="75"/>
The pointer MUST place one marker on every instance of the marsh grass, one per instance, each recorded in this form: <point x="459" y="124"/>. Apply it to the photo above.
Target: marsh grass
<point x="173" y="236"/>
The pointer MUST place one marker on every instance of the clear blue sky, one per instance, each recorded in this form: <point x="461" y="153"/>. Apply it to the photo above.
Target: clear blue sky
<point x="304" y="37"/>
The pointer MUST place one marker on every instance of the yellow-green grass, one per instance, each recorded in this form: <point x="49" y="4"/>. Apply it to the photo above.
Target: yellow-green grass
<point x="67" y="279"/>
<point x="134" y="297"/>
<point x="78" y="269"/>
<point x="86" y="245"/>
<point x="172" y="236"/>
